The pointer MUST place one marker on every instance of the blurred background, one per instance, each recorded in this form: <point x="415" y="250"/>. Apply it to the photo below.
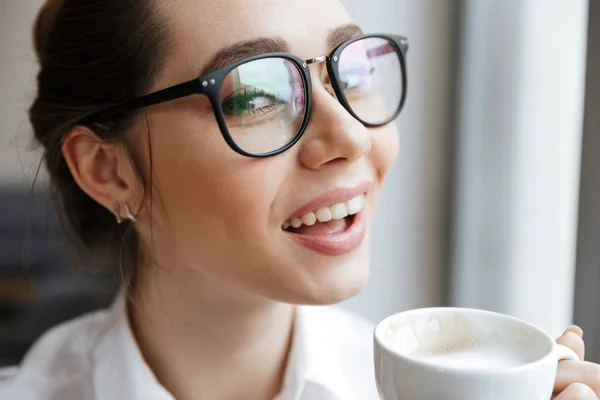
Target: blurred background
<point x="494" y="201"/>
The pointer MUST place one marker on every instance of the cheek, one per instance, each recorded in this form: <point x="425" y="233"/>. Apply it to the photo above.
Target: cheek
<point x="199" y="192"/>
<point x="385" y="144"/>
<point x="210" y="196"/>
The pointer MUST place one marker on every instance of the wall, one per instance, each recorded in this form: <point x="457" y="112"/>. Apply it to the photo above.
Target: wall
<point x="521" y="102"/>
<point x="587" y="295"/>
<point x="18" y="67"/>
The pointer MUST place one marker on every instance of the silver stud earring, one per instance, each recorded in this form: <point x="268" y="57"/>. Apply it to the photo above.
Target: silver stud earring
<point x="129" y="214"/>
<point x="116" y="213"/>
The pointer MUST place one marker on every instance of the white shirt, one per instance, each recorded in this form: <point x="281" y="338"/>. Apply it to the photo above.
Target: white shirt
<point x="95" y="357"/>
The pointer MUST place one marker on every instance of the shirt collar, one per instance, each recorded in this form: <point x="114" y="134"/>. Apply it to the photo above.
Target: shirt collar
<point x="122" y="373"/>
<point x="313" y="360"/>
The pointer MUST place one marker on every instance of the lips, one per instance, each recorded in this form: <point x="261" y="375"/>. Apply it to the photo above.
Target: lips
<point x="333" y="223"/>
<point x="340" y="195"/>
<point x="338" y="242"/>
<point x="334" y="212"/>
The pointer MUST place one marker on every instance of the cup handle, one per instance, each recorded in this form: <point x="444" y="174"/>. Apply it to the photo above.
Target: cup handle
<point x="564" y="353"/>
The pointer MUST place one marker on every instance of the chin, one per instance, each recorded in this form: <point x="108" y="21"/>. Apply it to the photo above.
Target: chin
<point x="335" y="286"/>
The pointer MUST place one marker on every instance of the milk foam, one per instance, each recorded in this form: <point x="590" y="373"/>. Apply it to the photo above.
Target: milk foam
<point x="490" y="356"/>
<point x="455" y="341"/>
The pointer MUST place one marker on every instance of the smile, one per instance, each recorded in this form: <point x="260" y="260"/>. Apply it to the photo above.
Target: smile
<point x="333" y="212"/>
<point x="334" y="229"/>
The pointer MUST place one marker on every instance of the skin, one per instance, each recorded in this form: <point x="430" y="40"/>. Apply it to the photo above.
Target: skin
<point x="218" y="276"/>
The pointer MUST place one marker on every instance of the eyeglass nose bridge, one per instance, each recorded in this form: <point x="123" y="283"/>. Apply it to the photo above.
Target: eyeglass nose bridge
<point x="317" y="60"/>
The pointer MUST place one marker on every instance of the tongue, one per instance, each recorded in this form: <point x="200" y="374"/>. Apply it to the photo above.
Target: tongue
<point x="324" y="228"/>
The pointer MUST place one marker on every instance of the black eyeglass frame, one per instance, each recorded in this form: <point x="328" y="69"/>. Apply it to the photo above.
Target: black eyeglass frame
<point x="211" y="84"/>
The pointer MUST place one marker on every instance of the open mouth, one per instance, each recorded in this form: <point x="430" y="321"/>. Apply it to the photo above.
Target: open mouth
<point x="324" y="228"/>
<point x="334" y="219"/>
<point x="334" y="230"/>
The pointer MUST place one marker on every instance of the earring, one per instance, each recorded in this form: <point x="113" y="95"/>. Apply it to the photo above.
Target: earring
<point x="129" y="214"/>
<point x="116" y="213"/>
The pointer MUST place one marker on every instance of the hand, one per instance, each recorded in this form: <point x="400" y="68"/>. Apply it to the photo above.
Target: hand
<point x="576" y="380"/>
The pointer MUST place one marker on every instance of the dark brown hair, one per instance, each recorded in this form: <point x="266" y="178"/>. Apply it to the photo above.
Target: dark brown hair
<point x="93" y="54"/>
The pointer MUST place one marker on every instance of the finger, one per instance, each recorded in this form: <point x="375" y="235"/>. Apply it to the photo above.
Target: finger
<point x="577" y="391"/>
<point x="574" y="342"/>
<point x="570" y="372"/>
<point x="575" y="329"/>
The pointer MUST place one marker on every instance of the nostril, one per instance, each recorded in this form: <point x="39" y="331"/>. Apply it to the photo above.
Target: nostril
<point x="338" y="160"/>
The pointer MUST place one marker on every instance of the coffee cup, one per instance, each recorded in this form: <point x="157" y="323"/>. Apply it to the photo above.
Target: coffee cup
<point x="464" y="354"/>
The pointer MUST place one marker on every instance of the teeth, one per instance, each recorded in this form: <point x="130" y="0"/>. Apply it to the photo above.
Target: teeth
<point x="309" y="219"/>
<point x="355" y="205"/>
<point x="339" y="211"/>
<point x="325" y="214"/>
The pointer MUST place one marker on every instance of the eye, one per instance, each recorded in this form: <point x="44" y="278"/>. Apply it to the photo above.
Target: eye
<point x="357" y="77"/>
<point x="260" y="102"/>
<point x="249" y="101"/>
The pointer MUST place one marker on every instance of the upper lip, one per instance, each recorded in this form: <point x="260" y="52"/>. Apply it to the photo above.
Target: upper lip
<point x="339" y="195"/>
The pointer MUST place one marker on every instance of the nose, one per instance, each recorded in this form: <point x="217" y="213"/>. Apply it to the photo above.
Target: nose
<point x="333" y="134"/>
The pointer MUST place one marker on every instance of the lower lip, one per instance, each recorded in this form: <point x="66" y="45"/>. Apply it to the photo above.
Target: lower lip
<point x="336" y="244"/>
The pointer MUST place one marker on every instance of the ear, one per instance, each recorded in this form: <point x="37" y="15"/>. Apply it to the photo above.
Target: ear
<point x="102" y="169"/>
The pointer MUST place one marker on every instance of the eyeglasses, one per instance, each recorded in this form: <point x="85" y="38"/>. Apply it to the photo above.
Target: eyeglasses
<point x="263" y="104"/>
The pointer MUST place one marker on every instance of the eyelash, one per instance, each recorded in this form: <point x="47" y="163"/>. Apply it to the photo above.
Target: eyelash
<point x="246" y="96"/>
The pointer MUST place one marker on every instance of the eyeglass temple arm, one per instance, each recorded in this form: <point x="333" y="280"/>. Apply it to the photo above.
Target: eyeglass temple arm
<point x="172" y="93"/>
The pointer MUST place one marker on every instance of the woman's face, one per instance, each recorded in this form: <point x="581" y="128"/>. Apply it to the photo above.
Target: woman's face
<point x="221" y="214"/>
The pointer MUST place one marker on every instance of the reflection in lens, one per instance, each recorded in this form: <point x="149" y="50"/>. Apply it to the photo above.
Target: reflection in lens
<point x="263" y="103"/>
<point x="371" y="79"/>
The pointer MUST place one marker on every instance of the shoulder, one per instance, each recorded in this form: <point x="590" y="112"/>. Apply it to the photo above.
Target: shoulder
<point x="58" y="365"/>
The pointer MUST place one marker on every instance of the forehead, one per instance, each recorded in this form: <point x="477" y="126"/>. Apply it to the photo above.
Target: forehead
<point x="200" y="28"/>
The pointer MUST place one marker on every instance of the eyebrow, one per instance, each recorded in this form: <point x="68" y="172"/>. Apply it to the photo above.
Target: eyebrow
<point x="263" y="45"/>
<point x="339" y="35"/>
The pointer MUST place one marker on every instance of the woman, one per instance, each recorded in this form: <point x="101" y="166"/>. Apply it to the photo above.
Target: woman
<point x="228" y="200"/>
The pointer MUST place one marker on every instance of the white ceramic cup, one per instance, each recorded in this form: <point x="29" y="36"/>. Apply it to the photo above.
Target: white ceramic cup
<point x="450" y="354"/>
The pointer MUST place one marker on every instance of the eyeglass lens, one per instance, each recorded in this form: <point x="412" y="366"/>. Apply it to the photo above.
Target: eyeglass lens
<point x="264" y="101"/>
<point x="371" y="79"/>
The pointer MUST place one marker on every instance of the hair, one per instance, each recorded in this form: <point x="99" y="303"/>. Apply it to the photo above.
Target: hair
<point x="93" y="54"/>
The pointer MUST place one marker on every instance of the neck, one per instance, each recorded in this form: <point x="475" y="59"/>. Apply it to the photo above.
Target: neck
<point x="206" y="339"/>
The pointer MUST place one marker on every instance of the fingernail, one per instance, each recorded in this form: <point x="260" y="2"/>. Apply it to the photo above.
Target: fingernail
<point x="576" y="330"/>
